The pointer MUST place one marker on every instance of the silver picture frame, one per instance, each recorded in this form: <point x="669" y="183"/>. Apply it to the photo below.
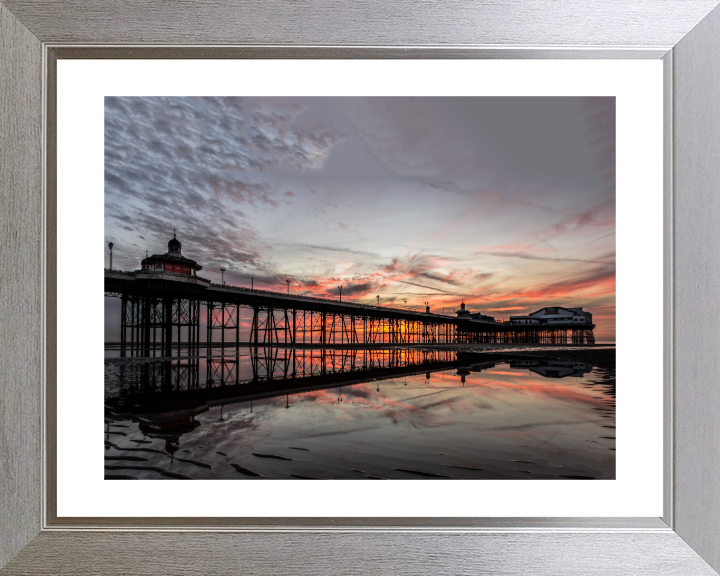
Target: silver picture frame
<point x="684" y="34"/>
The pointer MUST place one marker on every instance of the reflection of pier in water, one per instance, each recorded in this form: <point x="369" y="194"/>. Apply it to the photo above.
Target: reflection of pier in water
<point x="165" y="396"/>
<point x="166" y="385"/>
<point x="552" y="368"/>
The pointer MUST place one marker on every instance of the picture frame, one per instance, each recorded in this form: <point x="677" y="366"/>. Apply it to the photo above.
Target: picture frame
<point x="685" y="34"/>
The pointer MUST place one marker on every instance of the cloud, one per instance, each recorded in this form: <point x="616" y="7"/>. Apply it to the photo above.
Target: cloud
<point x="196" y="163"/>
<point x="337" y="249"/>
<point x="600" y="279"/>
<point x="600" y="138"/>
<point x="424" y="286"/>
<point x="529" y="256"/>
<point x="359" y="289"/>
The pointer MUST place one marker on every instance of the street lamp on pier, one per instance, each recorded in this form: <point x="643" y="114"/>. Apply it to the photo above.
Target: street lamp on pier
<point x="340" y="288"/>
<point x="288" y="283"/>
<point x="111" y="247"/>
<point x="222" y="271"/>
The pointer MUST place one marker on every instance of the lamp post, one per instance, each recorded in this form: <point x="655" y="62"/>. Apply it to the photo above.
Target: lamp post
<point x="405" y="304"/>
<point x="378" y="299"/>
<point x="340" y="288"/>
<point x="288" y="283"/>
<point x="222" y="271"/>
<point x="111" y="247"/>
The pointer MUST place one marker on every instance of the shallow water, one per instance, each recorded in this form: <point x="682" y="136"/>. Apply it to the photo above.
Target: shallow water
<point x="392" y="414"/>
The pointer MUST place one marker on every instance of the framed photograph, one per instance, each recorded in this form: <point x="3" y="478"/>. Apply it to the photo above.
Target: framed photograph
<point x="355" y="245"/>
<point x="379" y="317"/>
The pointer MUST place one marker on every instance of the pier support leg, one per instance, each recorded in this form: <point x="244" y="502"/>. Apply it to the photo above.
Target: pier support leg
<point x="167" y="326"/>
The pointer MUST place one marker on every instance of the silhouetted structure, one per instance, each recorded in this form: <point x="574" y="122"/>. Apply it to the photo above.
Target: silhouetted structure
<point x="171" y="261"/>
<point x="464" y="313"/>
<point x="553" y="315"/>
<point x="161" y="307"/>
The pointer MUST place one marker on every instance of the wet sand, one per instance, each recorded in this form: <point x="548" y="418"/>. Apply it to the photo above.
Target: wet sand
<point x="502" y="422"/>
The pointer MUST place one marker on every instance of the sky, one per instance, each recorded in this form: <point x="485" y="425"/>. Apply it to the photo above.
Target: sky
<point x="505" y="203"/>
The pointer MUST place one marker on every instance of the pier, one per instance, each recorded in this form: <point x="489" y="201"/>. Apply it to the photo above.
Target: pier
<point x="162" y="308"/>
<point x="162" y="305"/>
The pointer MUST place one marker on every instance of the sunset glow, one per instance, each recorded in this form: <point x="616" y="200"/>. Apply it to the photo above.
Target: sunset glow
<point x="507" y="204"/>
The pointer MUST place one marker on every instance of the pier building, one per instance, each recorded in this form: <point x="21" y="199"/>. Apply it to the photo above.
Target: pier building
<point x="171" y="261"/>
<point x="465" y="313"/>
<point x="553" y="315"/>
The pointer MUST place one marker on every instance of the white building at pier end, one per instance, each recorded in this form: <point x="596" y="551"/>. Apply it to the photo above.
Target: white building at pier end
<point x="555" y="315"/>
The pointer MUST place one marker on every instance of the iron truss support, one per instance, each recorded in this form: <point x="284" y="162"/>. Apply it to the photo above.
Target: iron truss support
<point x="152" y="326"/>
<point x="156" y="322"/>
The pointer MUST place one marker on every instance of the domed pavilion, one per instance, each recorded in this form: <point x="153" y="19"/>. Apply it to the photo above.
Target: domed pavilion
<point x="171" y="261"/>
